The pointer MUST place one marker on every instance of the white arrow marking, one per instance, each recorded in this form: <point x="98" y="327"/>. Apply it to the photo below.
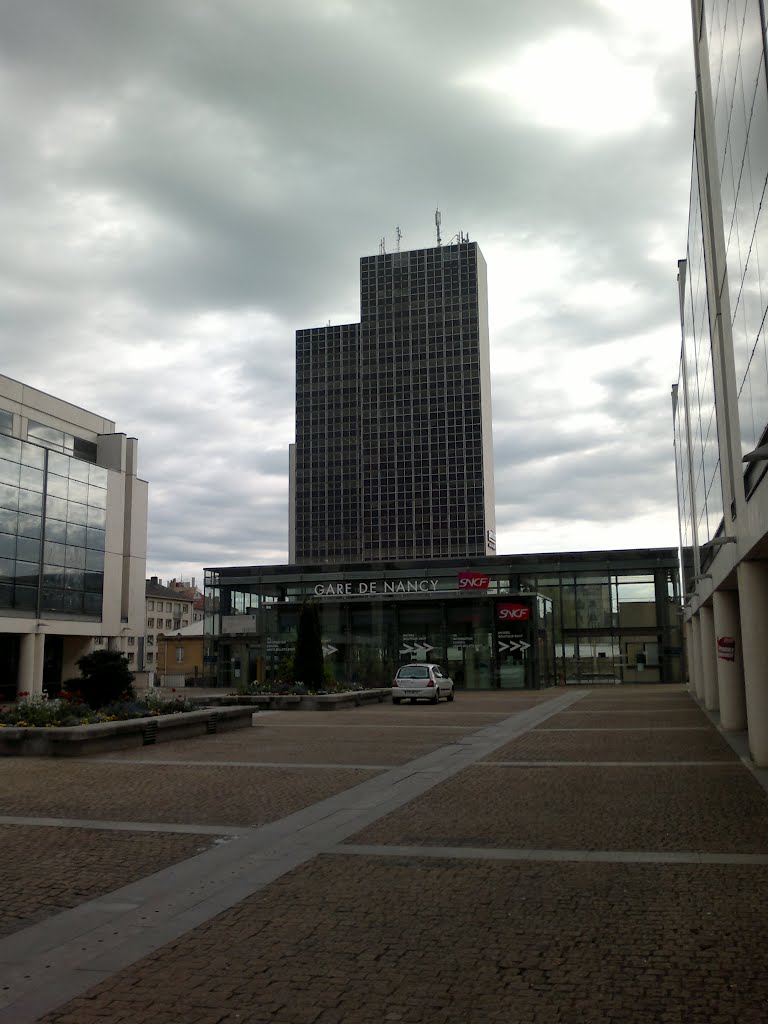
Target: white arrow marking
<point x="524" y="646"/>
<point x="503" y="647"/>
<point x="426" y="648"/>
<point x="408" y="650"/>
<point x="329" y="650"/>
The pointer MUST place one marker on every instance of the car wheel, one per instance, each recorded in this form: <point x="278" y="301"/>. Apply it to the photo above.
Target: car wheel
<point x="436" y="698"/>
<point x="414" y="699"/>
<point x="450" y="696"/>
<point x="395" y="700"/>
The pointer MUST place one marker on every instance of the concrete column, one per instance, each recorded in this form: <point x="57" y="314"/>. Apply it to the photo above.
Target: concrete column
<point x="687" y="666"/>
<point x="708" y="657"/>
<point x="696" y="672"/>
<point x="37" y="681"/>
<point x="730" y="674"/>
<point x="26" y="672"/>
<point x="753" y="605"/>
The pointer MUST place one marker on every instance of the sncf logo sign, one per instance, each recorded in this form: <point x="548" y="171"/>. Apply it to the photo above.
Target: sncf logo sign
<point x="513" y="612"/>
<point x="473" y="581"/>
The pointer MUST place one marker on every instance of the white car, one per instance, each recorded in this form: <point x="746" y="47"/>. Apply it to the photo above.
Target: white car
<point x="420" y="681"/>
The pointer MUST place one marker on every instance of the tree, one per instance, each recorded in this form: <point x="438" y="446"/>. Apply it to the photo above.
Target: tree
<point x="105" y="678"/>
<point x="308" y="665"/>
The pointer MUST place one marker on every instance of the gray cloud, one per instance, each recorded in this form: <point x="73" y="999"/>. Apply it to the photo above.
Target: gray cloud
<point x="186" y="183"/>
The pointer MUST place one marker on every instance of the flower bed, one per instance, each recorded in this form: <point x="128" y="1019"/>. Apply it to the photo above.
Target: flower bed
<point x="97" y="737"/>
<point x="67" y="711"/>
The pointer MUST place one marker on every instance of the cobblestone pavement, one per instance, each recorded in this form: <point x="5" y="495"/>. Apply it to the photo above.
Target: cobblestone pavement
<point x="455" y="886"/>
<point x="217" y="795"/>
<point x="367" y="940"/>
<point x="46" y="870"/>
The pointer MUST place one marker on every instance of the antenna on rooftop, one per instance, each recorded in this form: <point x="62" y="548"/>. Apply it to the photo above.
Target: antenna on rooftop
<point x="437" y="225"/>
<point x="398" y="236"/>
<point x="382" y="248"/>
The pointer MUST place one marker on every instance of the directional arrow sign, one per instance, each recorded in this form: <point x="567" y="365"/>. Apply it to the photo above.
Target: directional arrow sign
<point x="514" y="645"/>
<point x="408" y="650"/>
<point x="425" y="647"/>
<point x="328" y="649"/>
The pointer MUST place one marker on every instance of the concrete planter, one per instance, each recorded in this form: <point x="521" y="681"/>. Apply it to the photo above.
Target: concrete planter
<point x="76" y="740"/>
<point x="296" y="702"/>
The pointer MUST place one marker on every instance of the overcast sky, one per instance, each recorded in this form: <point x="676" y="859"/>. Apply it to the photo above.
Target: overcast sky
<point x="184" y="183"/>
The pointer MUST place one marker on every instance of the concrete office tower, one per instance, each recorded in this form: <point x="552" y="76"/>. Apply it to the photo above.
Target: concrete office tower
<point x="393" y="456"/>
<point x="721" y="398"/>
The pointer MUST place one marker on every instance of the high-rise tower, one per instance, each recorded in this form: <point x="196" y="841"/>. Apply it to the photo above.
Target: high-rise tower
<point x="393" y="456"/>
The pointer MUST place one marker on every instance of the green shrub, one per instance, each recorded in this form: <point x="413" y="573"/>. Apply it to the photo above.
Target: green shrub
<point x="104" y="679"/>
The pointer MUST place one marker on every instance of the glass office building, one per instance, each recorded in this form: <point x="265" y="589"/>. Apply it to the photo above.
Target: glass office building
<point x="506" y="622"/>
<point x="720" y="399"/>
<point x="73" y="518"/>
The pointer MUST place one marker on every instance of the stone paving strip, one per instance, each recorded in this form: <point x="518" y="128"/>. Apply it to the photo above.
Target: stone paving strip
<point x="46" y="964"/>
<point x="567" y="856"/>
<point x="669" y="807"/>
<point x="46" y="870"/>
<point x="371" y="940"/>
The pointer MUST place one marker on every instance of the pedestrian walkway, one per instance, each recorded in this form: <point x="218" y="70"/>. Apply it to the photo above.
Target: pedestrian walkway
<point x="572" y="856"/>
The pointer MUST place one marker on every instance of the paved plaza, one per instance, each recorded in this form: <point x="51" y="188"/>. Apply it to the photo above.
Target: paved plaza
<point x="569" y="856"/>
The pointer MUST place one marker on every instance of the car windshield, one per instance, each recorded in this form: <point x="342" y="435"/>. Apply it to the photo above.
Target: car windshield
<point x="413" y="672"/>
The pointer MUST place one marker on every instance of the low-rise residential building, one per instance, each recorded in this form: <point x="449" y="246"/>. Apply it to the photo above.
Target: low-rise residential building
<point x="179" y="656"/>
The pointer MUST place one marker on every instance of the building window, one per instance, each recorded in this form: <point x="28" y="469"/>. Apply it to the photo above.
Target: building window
<point x="150" y="606"/>
<point x="177" y="609"/>
<point x="150" y="658"/>
<point x="179" y="654"/>
<point x="150" y="640"/>
<point x="130" y="657"/>
<point x="131" y="641"/>
<point x="150" y="622"/>
<point x="168" y="606"/>
<point x="98" y="640"/>
<point x="169" y="623"/>
<point x="184" y="623"/>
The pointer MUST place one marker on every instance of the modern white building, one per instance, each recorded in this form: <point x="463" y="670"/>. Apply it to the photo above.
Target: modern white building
<point x="720" y="401"/>
<point x="73" y="537"/>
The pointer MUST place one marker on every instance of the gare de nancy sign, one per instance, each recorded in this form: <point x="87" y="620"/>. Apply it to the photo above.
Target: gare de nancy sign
<point x="467" y="580"/>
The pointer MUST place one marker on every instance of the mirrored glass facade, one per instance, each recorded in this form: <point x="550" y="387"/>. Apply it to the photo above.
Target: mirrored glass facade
<point x="737" y="73"/>
<point x="52" y="530"/>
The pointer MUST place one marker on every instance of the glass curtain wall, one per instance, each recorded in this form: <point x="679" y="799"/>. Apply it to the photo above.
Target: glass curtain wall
<point x="735" y="33"/>
<point x="52" y="531"/>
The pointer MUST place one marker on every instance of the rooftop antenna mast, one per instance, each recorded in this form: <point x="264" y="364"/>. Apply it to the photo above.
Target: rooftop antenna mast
<point x="382" y="248"/>
<point x="398" y="236"/>
<point x="437" y="225"/>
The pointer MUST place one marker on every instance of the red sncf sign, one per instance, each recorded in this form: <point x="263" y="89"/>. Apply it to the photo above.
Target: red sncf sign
<point x="473" y="580"/>
<point x="513" y="612"/>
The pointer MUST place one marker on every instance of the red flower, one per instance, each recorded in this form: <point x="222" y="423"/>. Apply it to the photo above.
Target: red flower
<point x="23" y="693"/>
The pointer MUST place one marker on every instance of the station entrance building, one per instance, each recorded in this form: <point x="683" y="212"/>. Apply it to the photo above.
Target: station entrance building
<point x="501" y="622"/>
